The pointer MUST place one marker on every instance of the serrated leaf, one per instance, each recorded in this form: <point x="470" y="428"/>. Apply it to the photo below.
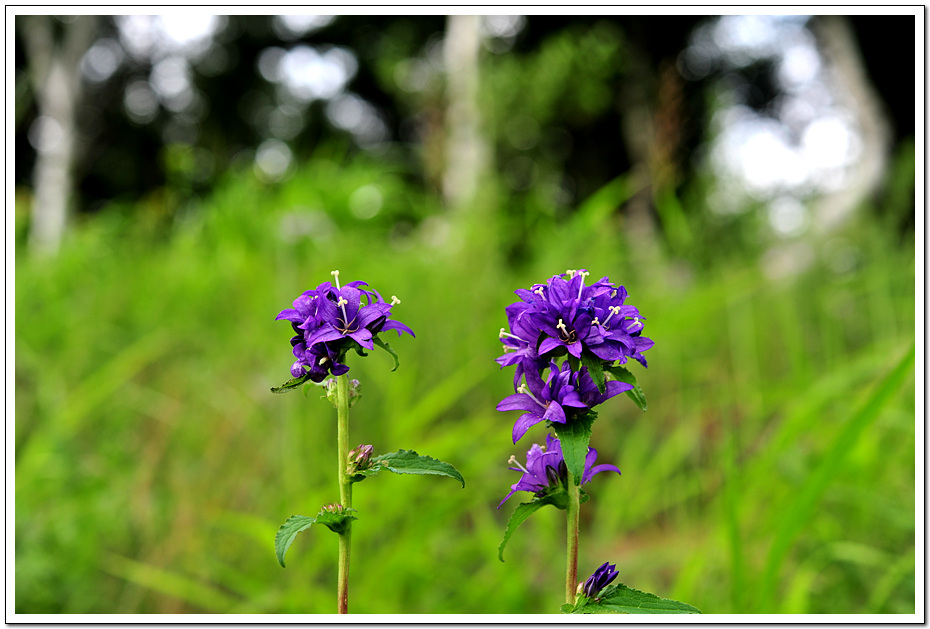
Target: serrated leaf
<point x="291" y="384"/>
<point x="596" y="370"/>
<point x="288" y="531"/>
<point x="361" y="475"/>
<point x="520" y="514"/>
<point x="409" y="462"/>
<point x="574" y="437"/>
<point x="336" y="522"/>
<point x="620" y="599"/>
<point x="567" y="608"/>
<point x="387" y="347"/>
<point x="636" y="393"/>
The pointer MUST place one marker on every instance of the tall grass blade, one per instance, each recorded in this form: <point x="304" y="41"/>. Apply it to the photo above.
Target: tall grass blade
<point x="161" y="580"/>
<point x="803" y="507"/>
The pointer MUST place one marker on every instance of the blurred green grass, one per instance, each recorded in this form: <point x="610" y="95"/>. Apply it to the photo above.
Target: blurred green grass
<point x="773" y="472"/>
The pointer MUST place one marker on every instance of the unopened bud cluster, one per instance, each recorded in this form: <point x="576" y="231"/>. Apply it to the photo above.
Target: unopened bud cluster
<point x="359" y="459"/>
<point x="355" y="388"/>
<point x="334" y="508"/>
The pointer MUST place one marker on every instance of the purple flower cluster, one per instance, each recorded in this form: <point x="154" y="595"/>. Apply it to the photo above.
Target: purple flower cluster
<point x="331" y="319"/>
<point x="545" y="469"/>
<point x="564" y="317"/>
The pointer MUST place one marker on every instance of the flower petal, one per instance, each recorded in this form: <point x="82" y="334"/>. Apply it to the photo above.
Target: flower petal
<point x="513" y="489"/>
<point x="391" y="324"/>
<point x="548" y="345"/>
<point x="518" y="402"/>
<point x="524" y="423"/>
<point x="290" y="315"/>
<point x="323" y="335"/>
<point x="363" y="338"/>
<point x="555" y="413"/>
<point x="597" y="469"/>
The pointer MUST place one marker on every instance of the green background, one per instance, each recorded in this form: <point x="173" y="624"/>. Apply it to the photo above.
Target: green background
<point x="774" y="471"/>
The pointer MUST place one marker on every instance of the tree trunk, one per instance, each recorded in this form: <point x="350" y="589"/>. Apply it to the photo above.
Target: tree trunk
<point x="54" y="69"/>
<point x="841" y="51"/>
<point x="467" y="152"/>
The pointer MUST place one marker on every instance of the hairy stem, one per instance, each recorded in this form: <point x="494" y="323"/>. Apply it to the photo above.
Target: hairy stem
<point x="345" y="489"/>
<point x="572" y="518"/>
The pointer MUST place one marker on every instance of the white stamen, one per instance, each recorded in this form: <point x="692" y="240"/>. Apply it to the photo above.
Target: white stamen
<point x="562" y="327"/>
<point x="570" y="273"/>
<point x="522" y="389"/>
<point x="394" y="300"/>
<point x="513" y="461"/>
<point x="614" y="310"/>
<point x="595" y="321"/>
<point x="341" y="302"/>
<point x="539" y="291"/>
<point x="583" y="275"/>
<point x="636" y="321"/>
<point x="504" y="334"/>
<point x="323" y="360"/>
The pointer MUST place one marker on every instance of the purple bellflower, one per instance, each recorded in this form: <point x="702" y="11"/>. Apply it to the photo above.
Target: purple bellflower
<point x="545" y="472"/>
<point x="565" y="316"/>
<point x="601" y="578"/>
<point x="329" y="320"/>
<point x="565" y="395"/>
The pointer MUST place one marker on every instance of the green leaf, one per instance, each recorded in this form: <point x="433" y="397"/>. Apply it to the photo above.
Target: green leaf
<point x="409" y="462"/>
<point x="567" y="608"/>
<point x="596" y="368"/>
<point x="525" y="510"/>
<point x="288" y="531"/>
<point x="636" y="393"/>
<point x="575" y="437"/>
<point x="620" y="599"/>
<point x="336" y="522"/>
<point x="387" y="347"/>
<point x="291" y="384"/>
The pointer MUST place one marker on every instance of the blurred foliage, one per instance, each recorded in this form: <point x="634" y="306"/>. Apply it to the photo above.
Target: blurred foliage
<point x="153" y="466"/>
<point x="773" y="472"/>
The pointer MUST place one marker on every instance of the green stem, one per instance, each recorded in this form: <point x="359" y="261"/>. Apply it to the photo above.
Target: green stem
<point x="572" y="513"/>
<point x="345" y="489"/>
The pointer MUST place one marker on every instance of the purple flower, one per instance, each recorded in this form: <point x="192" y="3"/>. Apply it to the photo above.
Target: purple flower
<point x="330" y="320"/>
<point x="545" y="470"/>
<point x="601" y="578"/>
<point x="565" y="395"/>
<point x="564" y="316"/>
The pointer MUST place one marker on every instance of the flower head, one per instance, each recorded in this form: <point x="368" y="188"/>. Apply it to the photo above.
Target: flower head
<point x="601" y="578"/>
<point x="566" y="316"/>
<point x="545" y="472"/>
<point x="565" y="395"/>
<point x="331" y="319"/>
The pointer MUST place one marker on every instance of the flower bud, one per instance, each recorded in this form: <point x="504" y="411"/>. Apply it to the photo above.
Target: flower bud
<point x="333" y="508"/>
<point x="329" y="385"/>
<point x="601" y="578"/>
<point x="359" y="459"/>
<point x="355" y="393"/>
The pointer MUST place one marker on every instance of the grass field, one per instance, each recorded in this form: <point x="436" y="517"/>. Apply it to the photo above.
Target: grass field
<point x="774" y="471"/>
